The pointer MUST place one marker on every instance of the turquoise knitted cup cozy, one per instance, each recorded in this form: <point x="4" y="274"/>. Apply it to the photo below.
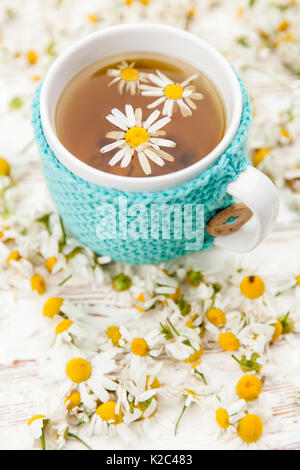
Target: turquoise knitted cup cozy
<point x="81" y="204"/>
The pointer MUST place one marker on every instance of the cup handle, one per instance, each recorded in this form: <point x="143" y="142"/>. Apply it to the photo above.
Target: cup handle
<point x="255" y="190"/>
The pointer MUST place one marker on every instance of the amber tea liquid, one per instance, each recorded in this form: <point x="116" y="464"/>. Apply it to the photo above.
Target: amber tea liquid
<point x="86" y="101"/>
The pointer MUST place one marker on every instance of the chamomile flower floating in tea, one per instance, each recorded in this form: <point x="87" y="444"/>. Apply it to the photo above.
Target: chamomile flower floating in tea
<point x="171" y="93"/>
<point x="127" y="77"/>
<point x="142" y="137"/>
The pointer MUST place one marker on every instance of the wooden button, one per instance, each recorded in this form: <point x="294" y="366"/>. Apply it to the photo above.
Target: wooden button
<point x="217" y="224"/>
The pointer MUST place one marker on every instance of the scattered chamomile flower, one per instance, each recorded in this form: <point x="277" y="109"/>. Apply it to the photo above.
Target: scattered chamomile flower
<point x="138" y="389"/>
<point x="138" y="343"/>
<point x="172" y="94"/>
<point x="252" y="287"/>
<point x="191" y="396"/>
<point x="136" y="135"/>
<point x="108" y="420"/>
<point x="52" y="307"/>
<point x="249" y="362"/>
<point x="228" y="341"/>
<point x="183" y="343"/>
<point x="228" y="411"/>
<point x="38" y="284"/>
<point x="4" y="167"/>
<point x="66" y="331"/>
<point x="121" y="282"/>
<point x="127" y="77"/>
<point x="77" y="372"/>
<point x="37" y="425"/>
<point x="167" y="285"/>
<point x="194" y="278"/>
<point x="249" y="387"/>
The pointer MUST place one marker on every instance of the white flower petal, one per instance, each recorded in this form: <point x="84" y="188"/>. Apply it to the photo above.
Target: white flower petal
<point x="189" y="80"/>
<point x="159" y="124"/>
<point x="154" y="157"/>
<point x="153" y="116"/>
<point x="156" y="102"/>
<point x="130" y="115"/>
<point x="144" y="163"/>
<point x="116" y="122"/>
<point x="163" y="142"/>
<point x="127" y="158"/>
<point x="113" y="145"/>
<point x="118" y="156"/>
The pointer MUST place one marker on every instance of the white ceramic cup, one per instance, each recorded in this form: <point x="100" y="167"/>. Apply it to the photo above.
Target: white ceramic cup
<point x="251" y="187"/>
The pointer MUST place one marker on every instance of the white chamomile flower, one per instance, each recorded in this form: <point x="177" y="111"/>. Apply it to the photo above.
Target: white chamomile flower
<point x="141" y="344"/>
<point x="142" y="137"/>
<point x="138" y="389"/>
<point x="68" y="331"/>
<point x="228" y="411"/>
<point x="183" y="343"/>
<point x="192" y="396"/>
<point x="108" y="420"/>
<point x="171" y="93"/>
<point x="127" y="77"/>
<point x="258" y="429"/>
<point x="36" y="427"/>
<point x="256" y="337"/>
<point x="76" y="372"/>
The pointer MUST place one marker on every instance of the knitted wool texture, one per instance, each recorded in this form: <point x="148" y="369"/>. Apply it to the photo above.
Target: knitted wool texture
<point x="78" y="201"/>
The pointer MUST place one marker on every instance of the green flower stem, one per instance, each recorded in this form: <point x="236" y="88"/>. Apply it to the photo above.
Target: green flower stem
<point x="65" y="280"/>
<point x="179" y="419"/>
<point x="70" y="434"/>
<point x="43" y="440"/>
<point x="202" y="376"/>
<point x="173" y="327"/>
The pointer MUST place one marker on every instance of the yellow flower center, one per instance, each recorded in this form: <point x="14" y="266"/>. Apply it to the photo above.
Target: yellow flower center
<point x="176" y="294"/>
<point x="38" y="284"/>
<point x="278" y="330"/>
<point x="173" y="91"/>
<point x="78" y="370"/>
<point x="4" y="167"/>
<point x="93" y="18"/>
<point x="252" y="287"/>
<point x="52" y="306"/>
<point x="189" y="324"/>
<point x="50" y="263"/>
<point x="141" y="298"/>
<point x="216" y="317"/>
<point x="129" y="74"/>
<point x="250" y="428"/>
<point x="190" y="392"/>
<point x="14" y="256"/>
<point x="298" y="279"/>
<point x="283" y="26"/>
<point x="113" y="333"/>
<point x="195" y="356"/>
<point x="136" y="136"/>
<point x="32" y="57"/>
<point x="139" y="347"/>
<point x="285" y="133"/>
<point x="222" y="418"/>
<point x="73" y="400"/>
<point x="35" y="418"/>
<point x="155" y="383"/>
<point x="249" y="387"/>
<point x="259" y="156"/>
<point x="229" y="342"/>
<point x="107" y="412"/>
<point x="63" y="326"/>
